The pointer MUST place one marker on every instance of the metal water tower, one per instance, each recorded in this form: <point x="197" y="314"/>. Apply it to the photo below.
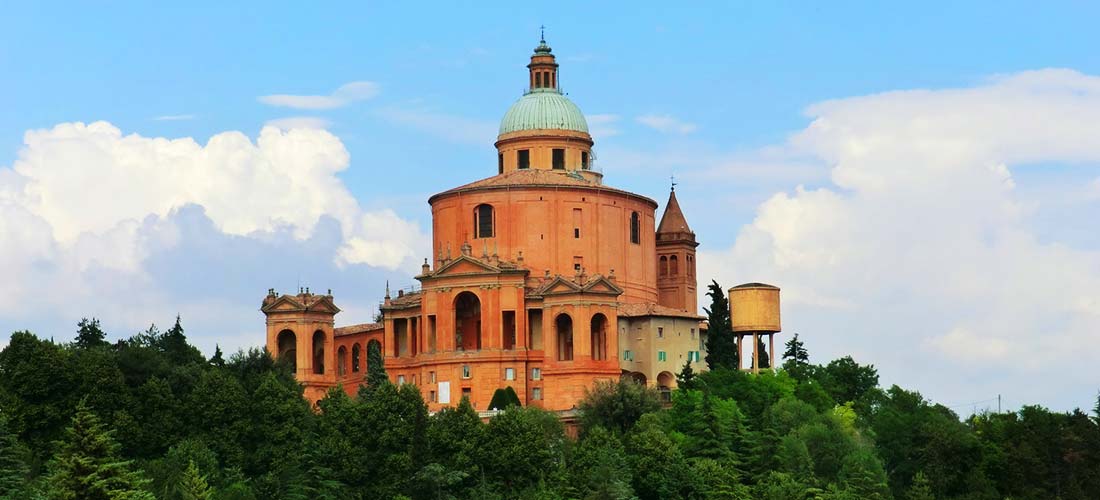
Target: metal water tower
<point x="754" y="310"/>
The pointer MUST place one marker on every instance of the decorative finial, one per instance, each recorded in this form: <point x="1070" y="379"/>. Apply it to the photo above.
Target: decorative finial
<point x="672" y="178"/>
<point x="387" y="289"/>
<point x="542" y="33"/>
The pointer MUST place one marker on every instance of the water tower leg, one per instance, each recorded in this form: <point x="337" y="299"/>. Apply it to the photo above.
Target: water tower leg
<point x="755" y="352"/>
<point x="771" y="351"/>
<point x="737" y="339"/>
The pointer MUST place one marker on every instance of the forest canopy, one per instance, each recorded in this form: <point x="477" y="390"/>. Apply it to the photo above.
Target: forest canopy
<point x="151" y="417"/>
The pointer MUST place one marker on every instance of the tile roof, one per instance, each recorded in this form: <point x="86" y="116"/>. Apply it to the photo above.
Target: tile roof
<point x="360" y="328"/>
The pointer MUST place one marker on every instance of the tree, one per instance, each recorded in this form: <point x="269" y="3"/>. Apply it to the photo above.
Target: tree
<point x="217" y="359"/>
<point x="88" y="464"/>
<point x="599" y="468"/>
<point x="617" y="406"/>
<point x="862" y="475"/>
<point x="685" y="380"/>
<point x="522" y="448"/>
<point x="846" y="380"/>
<point x="13" y="467"/>
<point x="504" y="398"/>
<point x="721" y="345"/>
<point x="89" y="334"/>
<point x="376" y="368"/>
<point x="659" y="468"/>
<point x="192" y="485"/>
<point x="173" y="344"/>
<point x="796" y="360"/>
<point x="921" y="489"/>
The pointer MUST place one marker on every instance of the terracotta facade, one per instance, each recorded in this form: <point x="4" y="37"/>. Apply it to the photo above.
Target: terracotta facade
<point x="542" y="278"/>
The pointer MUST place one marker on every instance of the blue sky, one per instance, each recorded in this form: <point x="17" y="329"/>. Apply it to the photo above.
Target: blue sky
<point x="794" y="130"/>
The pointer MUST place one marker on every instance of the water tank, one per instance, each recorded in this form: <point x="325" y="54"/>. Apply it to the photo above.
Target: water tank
<point x="754" y="307"/>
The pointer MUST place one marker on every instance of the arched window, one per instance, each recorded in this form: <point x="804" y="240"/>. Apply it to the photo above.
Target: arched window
<point x="673" y="267"/>
<point x="635" y="228"/>
<point x="341" y="361"/>
<point x="691" y="265"/>
<point x="564" y="332"/>
<point x="467" y="322"/>
<point x="664" y="266"/>
<point x="319" y="352"/>
<point x="599" y="337"/>
<point x="355" y="355"/>
<point x="288" y="348"/>
<point x="483" y="221"/>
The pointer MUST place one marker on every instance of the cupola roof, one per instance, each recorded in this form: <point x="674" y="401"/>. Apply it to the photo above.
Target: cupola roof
<point x="543" y="106"/>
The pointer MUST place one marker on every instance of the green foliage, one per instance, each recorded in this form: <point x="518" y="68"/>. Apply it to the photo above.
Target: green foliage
<point x="616" y="406"/>
<point x="523" y="447"/>
<point x="376" y="368"/>
<point x="192" y="485"/>
<point x="89" y="335"/>
<point x="845" y="380"/>
<point x="88" y="464"/>
<point x="504" y="398"/>
<point x="239" y="429"/>
<point x="685" y="380"/>
<point x="920" y="489"/>
<point x="13" y="466"/>
<point x="599" y="468"/>
<point x="721" y="344"/>
<point x="762" y="354"/>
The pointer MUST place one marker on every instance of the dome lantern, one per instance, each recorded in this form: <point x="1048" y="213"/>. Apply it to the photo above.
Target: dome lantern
<point x="544" y="129"/>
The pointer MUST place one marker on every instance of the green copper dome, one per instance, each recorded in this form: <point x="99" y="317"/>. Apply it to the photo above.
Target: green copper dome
<point x="543" y="109"/>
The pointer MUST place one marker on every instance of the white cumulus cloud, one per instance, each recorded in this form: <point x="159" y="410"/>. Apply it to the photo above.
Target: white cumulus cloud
<point x="346" y="94"/>
<point x="921" y="255"/>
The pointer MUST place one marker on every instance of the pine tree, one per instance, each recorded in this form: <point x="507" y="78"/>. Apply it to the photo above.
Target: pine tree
<point x="721" y="345"/>
<point x="707" y="436"/>
<point x="376" y="369"/>
<point x="88" y="465"/>
<point x="193" y="485"/>
<point x="921" y="489"/>
<point x="217" y="360"/>
<point x="796" y="360"/>
<point x="13" y="468"/>
<point x="685" y="380"/>
<point x="89" y="334"/>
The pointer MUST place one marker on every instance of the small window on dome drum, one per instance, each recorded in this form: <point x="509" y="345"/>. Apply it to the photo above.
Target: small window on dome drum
<point x="523" y="158"/>
<point x="500" y="163"/>
<point x="559" y="159"/>
<point x="584" y="160"/>
<point x="483" y="221"/>
<point x="538" y="80"/>
<point x="635" y="233"/>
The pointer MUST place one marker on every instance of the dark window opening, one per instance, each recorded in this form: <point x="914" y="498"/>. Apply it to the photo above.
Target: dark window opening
<point x="584" y="160"/>
<point x="523" y="158"/>
<point x="664" y="266"/>
<point x="538" y="80"/>
<point x="483" y="221"/>
<point x="559" y="159"/>
<point x="576" y="232"/>
<point x="635" y="232"/>
<point x="673" y="267"/>
<point x="500" y="163"/>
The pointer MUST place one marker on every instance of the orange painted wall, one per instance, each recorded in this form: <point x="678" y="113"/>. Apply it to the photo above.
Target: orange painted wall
<point x="538" y="221"/>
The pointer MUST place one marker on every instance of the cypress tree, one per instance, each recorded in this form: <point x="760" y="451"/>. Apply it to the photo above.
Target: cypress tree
<point x="762" y="353"/>
<point x="376" y="369"/>
<point x="88" y="464"/>
<point x="217" y="360"/>
<point x="13" y="469"/>
<point x="721" y="347"/>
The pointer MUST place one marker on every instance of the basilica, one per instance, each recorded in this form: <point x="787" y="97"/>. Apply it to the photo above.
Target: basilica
<point x="543" y="278"/>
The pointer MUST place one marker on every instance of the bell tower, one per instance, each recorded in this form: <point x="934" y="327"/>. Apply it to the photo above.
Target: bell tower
<point x="676" y="244"/>
<point x="300" y="330"/>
